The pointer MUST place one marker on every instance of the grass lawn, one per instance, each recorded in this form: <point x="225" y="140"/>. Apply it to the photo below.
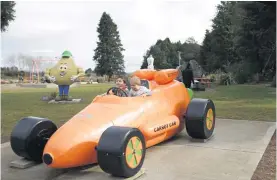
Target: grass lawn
<point x="251" y="102"/>
<point x="245" y="102"/>
<point x="21" y="102"/>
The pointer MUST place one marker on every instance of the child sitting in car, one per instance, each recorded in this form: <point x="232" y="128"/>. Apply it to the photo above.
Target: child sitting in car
<point x="137" y="89"/>
<point x="120" y="83"/>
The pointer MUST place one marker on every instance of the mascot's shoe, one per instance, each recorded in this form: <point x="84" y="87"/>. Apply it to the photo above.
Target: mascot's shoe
<point x="58" y="98"/>
<point x="67" y="98"/>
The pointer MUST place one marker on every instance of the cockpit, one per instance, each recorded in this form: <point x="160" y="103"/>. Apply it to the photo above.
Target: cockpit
<point x="150" y="79"/>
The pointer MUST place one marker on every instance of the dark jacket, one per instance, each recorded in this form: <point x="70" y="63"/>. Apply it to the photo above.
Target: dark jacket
<point x="187" y="77"/>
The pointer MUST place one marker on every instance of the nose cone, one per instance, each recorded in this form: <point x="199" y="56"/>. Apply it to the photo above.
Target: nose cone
<point x="47" y="159"/>
<point x="74" y="143"/>
<point x="72" y="156"/>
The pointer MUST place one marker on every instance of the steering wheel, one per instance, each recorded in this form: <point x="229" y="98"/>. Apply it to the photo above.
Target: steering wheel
<point x="118" y="92"/>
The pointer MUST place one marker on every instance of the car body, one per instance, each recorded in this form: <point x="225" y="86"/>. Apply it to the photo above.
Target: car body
<point x="149" y="114"/>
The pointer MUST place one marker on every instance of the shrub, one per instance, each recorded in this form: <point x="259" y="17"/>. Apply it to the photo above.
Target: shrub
<point x="222" y="78"/>
<point x="100" y="80"/>
<point x="212" y="77"/>
<point x="241" y="77"/>
<point x="242" y="72"/>
<point x="226" y="79"/>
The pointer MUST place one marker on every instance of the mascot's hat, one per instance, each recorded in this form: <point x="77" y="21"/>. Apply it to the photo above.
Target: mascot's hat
<point x="66" y="54"/>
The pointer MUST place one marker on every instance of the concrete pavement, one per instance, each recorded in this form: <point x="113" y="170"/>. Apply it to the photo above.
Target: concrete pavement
<point x="232" y="154"/>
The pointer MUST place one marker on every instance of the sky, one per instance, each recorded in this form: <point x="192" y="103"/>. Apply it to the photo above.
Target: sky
<point x="48" y="28"/>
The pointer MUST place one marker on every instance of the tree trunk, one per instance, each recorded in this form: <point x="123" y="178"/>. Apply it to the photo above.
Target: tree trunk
<point x="109" y="78"/>
<point x="273" y="83"/>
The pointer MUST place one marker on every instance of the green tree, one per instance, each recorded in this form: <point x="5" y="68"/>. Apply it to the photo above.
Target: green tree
<point x="222" y="35"/>
<point x="191" y="40"/>
<point x="88" y="72"/>
<point x="206" y="55"/>
<point x="159" y="51"/>
<point x="255" y="40"/>
<point x="217" y="51"/>
<point x="144" y="62"/>
<point x="108" y="54"/>
<point x="242" y="41"/>
<point x="166" y="56"/>
<point x="190" y="50"/>
<point x="7" y="14"/>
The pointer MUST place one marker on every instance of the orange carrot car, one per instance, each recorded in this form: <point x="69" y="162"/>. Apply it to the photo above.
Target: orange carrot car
<point x="115" y="130"/>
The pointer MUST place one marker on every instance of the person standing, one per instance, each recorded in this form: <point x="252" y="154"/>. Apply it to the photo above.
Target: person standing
<point x="188" y="76"/>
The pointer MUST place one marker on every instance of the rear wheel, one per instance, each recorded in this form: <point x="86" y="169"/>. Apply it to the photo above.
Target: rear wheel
<point x="200" y="118"/>
<point x="121" y="151"/>
<point x="30" y="136"/>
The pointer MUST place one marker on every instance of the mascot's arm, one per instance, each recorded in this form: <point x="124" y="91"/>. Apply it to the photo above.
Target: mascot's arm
<point x="80" y="72"/>
<point x="47" y="73"/>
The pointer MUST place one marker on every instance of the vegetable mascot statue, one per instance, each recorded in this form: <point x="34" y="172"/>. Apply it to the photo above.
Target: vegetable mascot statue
<point x="64" y="73"/>
<point x="150" y="62"/>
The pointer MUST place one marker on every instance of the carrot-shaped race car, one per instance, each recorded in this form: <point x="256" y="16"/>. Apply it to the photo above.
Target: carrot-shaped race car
<point x="115" y="130"/>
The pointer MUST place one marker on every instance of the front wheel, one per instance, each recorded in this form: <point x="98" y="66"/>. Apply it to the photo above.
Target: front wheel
<point x="121" y="151"/>
<point x="30" y="136"/>
<point x="200" y="118"/>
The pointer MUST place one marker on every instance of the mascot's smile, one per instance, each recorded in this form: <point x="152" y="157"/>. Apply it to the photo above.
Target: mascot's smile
<point x="62" y="73"/>
<point x="63" y="68"/>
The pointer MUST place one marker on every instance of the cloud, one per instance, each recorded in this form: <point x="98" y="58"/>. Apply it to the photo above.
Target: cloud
<point x="56" y="26"/>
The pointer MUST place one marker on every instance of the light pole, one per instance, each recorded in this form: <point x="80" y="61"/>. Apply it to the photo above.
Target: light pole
<point x="179" y="57"/>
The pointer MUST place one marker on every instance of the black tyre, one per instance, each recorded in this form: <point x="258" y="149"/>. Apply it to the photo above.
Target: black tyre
<point x="30" y="136"/>
<point x="200" y="118"/>
<point x="121" y="151"/>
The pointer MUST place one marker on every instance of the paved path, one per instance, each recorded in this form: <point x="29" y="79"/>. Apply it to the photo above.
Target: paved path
<point x="232" y="154"/>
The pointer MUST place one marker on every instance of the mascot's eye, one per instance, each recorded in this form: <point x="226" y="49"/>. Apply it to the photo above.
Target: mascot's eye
<point x="61" y="67"/>
<point x="65" y="68"/>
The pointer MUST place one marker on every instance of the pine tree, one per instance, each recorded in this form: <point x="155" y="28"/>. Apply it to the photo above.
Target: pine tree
<point x="217" y="51"/>
<point x="108" y="54"/>
<point x="206" y="51"/>
<point x="222" y="34"/>
<point x="242" y="41"/>
<point x="144" y="62"/>
<point x="256" y="36"/>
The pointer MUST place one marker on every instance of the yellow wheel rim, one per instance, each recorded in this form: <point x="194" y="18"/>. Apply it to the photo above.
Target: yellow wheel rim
<point x="210" y="119"/>
<point x="133" y="152"/>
